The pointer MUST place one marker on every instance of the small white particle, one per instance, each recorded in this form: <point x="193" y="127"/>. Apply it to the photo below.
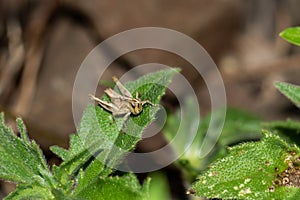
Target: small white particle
<point x="204" y="182"/>
<point x="210" y="174"/>
<point x="288" y="158"/>
<point x="242" y="185"/>
<point x="225" y="191"/>
<point x="244" y="191"/>
<point x="247" y="180"/>
<point x="235" y="187"/>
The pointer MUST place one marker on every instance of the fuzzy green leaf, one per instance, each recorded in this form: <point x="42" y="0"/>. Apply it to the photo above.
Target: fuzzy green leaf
<point x="21" y="160"/>
<point x="151" y="87"/>
<point x="22" y="130"/>
<point x="60" y="152"/>
<point x="99" y="136"/>
<point x="32" y="192"/>
<point x="126" y="187"/>
<point x="291" y="91"/>
<point x="254" y="170"/>
<point x="291" y="35"/>
<point x="88" y="175"/>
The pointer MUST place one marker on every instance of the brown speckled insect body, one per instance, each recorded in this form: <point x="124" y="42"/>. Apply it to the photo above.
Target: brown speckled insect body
<point x="121" y="104"/>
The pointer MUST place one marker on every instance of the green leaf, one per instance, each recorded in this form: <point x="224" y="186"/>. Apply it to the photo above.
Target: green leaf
<point x="159" y="188"/>
<point x="32" y="192"/>
<point x="88" y="175"/>
<point x="99" y="136"/>
<point x="151" y="87"/>
<point x="253" y="170"/>
<point x="291" y="35"/>
<point x="291" y="91"/>
<point x="68" y="170"/>
<point x="60" y="152"/>
<point x="22" y="130"/>
<point x="110" y="188"/>
<point x="21" y="160"/>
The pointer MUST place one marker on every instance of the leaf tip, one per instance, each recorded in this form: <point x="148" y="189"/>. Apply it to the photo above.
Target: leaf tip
<point x="22" y="129"/>
<point x="282" y="33"/>
<point x="177" y="69"/>
<point x="281" y="85"/>
<point x="291" y="35"/>
<point x="277" y="84"/>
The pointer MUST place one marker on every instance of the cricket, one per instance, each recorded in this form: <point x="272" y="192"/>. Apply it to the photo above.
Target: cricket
<point x="123" y="104"/>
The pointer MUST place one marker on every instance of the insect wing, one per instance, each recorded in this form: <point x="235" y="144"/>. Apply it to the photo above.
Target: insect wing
<point x="113" y="94"/>
<point x="116" y="98"/>
<point x="123" y="90"/>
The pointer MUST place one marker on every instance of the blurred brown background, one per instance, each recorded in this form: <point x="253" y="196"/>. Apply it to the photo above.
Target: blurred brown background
<point x="42" y="44"/>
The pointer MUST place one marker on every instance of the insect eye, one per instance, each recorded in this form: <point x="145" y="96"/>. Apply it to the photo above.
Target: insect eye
<point x="133" y="104"/>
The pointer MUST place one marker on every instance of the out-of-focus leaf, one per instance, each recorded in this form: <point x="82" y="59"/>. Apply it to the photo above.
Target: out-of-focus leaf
<point x="289" y="126"/>
<point x="239" y="126"/>
<point x="291" y="35"/>
<point x="159" y="188"/>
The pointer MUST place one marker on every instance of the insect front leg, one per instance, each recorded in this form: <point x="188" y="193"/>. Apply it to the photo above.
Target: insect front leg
<point x="149" y="102"/>
<point x="143" y="102"/>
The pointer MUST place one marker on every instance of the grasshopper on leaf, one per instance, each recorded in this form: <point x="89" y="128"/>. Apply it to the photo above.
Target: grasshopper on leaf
<point x="122" y="104"/>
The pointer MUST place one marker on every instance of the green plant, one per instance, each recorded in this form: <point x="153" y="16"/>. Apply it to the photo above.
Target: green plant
<point x="82" y="175"/>
<point x="265" y="169"/>
<point x="268" y="169"/>
<point x="244" y="164"/>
